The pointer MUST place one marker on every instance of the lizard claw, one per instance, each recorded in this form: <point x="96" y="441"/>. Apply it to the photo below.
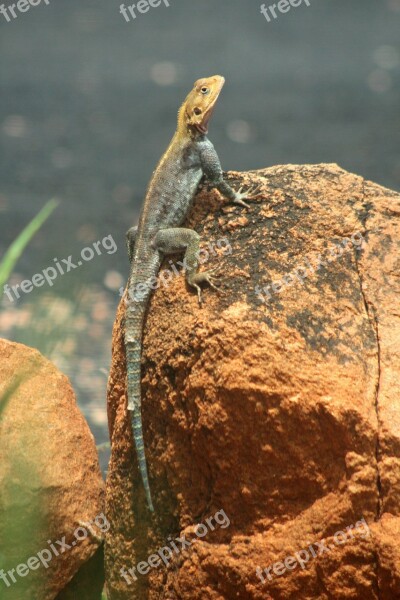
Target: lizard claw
<point x="214" y="271"/>
<point x="250" y="194"/>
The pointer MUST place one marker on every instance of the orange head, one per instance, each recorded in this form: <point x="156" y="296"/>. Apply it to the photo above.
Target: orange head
<point x="199" y="105"/>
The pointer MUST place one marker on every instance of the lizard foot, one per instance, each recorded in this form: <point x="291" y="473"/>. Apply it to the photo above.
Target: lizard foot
<point x="250" y="194"/>
<point x="204" y="277"/>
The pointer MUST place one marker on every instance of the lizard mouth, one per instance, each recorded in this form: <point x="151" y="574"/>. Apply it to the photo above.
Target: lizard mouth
<point x="203" y="126"/>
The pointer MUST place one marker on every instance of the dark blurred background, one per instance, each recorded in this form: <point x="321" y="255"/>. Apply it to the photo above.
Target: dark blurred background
<point x="88" y="103"/>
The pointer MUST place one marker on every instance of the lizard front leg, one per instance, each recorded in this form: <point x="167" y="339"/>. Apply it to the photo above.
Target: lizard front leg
<point x="177" y="239"/>
<point x="212" y="169"/>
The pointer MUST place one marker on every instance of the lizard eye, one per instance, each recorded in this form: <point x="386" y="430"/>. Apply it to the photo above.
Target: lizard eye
<point x="205" y="90"/>
<point x="197" y="111"/>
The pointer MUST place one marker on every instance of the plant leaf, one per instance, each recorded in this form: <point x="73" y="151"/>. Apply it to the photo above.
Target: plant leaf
<point x="18" y="246"/>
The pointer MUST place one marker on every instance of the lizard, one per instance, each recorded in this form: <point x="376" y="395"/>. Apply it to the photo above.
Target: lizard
<point x="169" y="197"/>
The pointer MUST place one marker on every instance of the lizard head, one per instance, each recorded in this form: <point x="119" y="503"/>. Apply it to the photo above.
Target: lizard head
<point x="200" y="103"/>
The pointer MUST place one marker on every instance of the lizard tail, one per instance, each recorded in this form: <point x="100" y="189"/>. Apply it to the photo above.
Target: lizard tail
<point x="133" y="371"/>
<point x="138" y="436"/>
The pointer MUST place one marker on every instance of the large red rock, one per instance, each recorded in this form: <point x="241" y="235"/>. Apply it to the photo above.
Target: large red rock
<point x="275" y="404"/>
<point x="51" y="490"/>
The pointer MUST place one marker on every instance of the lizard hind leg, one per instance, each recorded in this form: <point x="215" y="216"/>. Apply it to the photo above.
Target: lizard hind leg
<point x="178" y="239"/>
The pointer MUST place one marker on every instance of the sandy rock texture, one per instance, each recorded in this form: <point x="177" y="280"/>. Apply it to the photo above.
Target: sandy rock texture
<point x="50" y="485"/>
<point x="277" y="402"/>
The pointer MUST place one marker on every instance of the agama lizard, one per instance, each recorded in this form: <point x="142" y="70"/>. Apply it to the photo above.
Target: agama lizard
<point x="169" y="197"/>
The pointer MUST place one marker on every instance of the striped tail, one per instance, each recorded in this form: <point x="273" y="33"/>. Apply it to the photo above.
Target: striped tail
<point x="134" y="405"/>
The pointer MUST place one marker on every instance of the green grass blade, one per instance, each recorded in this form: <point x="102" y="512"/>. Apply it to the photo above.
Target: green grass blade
<point x="8" y="394"/>
<point x="103" y="446"/>
<point x="17" y="247"/>
<point x="12" y="388"/>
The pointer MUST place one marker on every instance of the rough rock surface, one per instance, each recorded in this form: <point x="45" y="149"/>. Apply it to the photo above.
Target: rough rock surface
<point x="50" y="483"/>
<point x="278" y="405"/>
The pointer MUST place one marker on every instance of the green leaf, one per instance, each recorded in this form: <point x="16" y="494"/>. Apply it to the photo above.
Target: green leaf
<point x="18" y="246"/>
